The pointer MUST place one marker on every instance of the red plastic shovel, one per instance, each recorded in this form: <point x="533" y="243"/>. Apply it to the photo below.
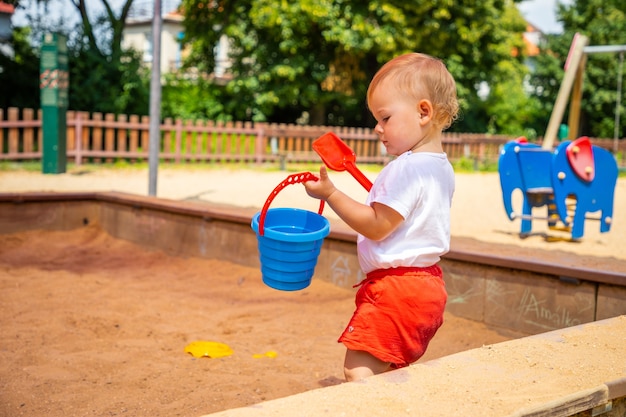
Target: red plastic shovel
<point x="338" y="156"/>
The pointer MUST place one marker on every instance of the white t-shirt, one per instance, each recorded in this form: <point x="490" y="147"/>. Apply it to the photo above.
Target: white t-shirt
<point x="419" y="186"/>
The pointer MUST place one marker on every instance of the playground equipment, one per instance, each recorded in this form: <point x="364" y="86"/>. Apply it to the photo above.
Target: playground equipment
<point x="576" y="179"/>
<point x="289" y="240"/>
<point x="573" y="84"/>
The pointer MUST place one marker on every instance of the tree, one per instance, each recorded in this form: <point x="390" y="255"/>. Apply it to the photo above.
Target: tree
<point x="317" y="56"/>
<point x="19" y="65"/>
<point x="602" y="21"/>
<point x="99" y="84"/>
<point x="19" y="73"/>
<point x="193" y="99"/>
<point x="102" y="31"/>
<point x="103" y="77"/>
<point x="111" y="50"/>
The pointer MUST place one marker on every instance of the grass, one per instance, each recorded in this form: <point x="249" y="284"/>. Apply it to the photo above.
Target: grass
<point x="20" y="166"/>
<point x="463" y="165"/>
<point x="468" y="165"/>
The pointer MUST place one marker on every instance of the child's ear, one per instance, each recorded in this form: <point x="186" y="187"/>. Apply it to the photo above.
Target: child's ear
<point x="425" y="111"/>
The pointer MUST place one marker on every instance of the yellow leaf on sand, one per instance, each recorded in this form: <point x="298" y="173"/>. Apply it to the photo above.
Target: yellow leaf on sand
<point x="202" y="348"/>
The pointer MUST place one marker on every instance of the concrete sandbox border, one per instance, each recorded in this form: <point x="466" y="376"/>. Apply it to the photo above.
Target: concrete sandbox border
<point x="512" y="291"/>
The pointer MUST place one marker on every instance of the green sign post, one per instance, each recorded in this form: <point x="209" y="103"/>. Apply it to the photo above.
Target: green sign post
<point x="53" y="84"/>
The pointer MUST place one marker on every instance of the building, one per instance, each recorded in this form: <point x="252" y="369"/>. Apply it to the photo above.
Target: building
<point x="138" y="36"/>
<point x="6" y="12"/>
<point x="532" y="39"/>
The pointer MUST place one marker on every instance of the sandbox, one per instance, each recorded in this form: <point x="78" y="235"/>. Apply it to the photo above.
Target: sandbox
<point x="102" y="292"/>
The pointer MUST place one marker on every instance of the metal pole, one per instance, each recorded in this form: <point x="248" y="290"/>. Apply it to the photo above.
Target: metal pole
<point x="618" y="102"/>
<point x="155" y="100"/>
<point x="609" y="49"/>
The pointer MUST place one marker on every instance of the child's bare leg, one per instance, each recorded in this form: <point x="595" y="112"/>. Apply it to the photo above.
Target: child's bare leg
<point x="359" y="364"/>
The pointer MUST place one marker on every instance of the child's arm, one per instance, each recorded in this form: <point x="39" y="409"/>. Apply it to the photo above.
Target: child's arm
<point x="375" y="222"/>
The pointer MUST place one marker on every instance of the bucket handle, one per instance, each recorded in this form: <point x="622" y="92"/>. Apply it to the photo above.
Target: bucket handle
<point x="292" y="179"/>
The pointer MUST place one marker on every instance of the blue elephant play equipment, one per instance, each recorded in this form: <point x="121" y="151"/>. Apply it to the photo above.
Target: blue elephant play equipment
<point x="576" y="179"/>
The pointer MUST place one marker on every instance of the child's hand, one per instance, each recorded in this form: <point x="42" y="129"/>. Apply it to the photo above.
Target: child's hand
<point x="321" y="189"/>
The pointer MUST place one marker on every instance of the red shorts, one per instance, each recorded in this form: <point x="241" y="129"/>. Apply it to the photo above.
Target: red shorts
<point x="398" y="311"/>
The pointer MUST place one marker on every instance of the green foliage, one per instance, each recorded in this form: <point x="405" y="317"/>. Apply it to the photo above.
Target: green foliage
<point x="474" y="165"/>
<point x="190" y="99"/>
<point x="603" y="22"/>
<point x="104" y="85"/>
<point x="29" y="166"/>
<point x="19" y="73"/>
<point x="318" y="56"/>
<point x="103" y="77"/>
<point x="511" y="108"/>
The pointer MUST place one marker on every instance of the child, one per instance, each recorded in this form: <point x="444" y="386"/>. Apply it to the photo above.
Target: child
<point x="404" y="226"/>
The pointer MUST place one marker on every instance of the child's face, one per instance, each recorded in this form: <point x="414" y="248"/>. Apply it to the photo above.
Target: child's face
<point x="399" y="122"/>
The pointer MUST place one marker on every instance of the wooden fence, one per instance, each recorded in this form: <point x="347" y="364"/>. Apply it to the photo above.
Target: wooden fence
<point x="98" y="138"/>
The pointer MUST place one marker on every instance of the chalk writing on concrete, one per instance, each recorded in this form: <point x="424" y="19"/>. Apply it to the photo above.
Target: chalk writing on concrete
<point x="534" y="310"/>
<point x="340" y="273"/>
<point x="456" y="294"/>
<point x="584" y="303"/>
<point x="497" y="294"/>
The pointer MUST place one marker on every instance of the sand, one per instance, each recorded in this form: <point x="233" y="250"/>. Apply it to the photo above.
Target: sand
<point x="93" y="325"/>
<point x="477" y="209"/>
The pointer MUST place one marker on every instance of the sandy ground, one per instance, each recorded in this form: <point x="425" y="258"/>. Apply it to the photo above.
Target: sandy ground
<point x="93" y="325"/>
<point x="477" y="209"/>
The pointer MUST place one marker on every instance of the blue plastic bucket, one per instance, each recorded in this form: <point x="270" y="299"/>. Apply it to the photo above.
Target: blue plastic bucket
<point x="289" y="241"/>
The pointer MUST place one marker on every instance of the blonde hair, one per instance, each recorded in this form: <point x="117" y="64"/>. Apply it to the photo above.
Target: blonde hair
<point x="421" y="76"/>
